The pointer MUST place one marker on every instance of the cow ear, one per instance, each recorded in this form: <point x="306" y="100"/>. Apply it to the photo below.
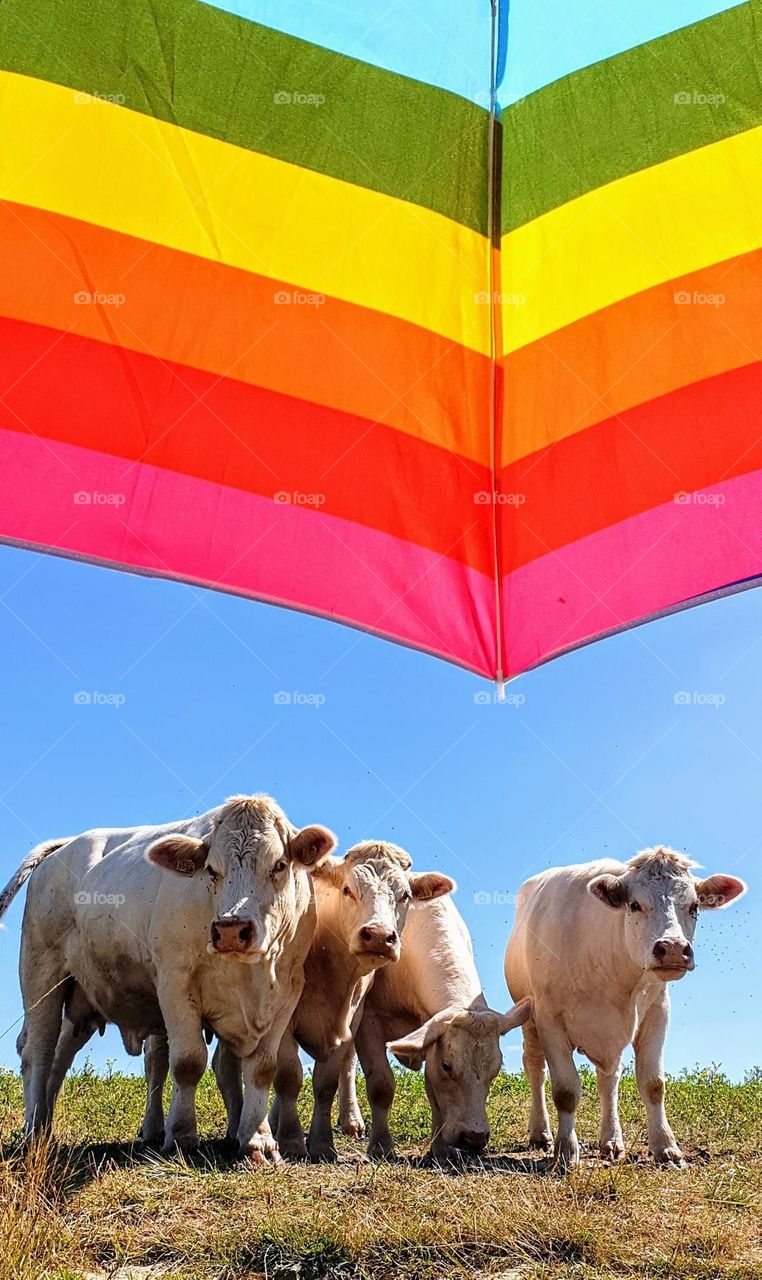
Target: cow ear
<point x="430" y="884"/>
<point x="416" y="1045"/>
<point x="311" y="845"/>
<point x="610" y="890"/>
<point x="515" y="1017"/>
<point x="330" y="869"/>
<point x="719" y="891"/>
<point x="184" y="855"/>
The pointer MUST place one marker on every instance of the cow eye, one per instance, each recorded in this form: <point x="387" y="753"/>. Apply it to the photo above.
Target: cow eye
<point x="280" y="866"/>
<point x="635" y="906"/>
<point x="446" y="1066"/>
<point x="213" y="875"/>
<point x="694" y="908"/>
<point x="347" y="891"/>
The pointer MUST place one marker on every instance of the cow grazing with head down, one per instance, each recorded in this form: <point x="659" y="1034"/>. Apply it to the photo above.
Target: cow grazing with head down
<point x="595" y="946"/>
<point x="431" y="1010"/>
<point x="198" y="924"/>
<point x="362" y="905"/>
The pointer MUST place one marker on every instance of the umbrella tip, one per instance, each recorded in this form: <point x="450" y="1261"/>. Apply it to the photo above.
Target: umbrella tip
<point x="500" y="683"/>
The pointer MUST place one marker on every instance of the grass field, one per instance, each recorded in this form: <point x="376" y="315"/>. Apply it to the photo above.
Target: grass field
<point x="93" y="1204"/>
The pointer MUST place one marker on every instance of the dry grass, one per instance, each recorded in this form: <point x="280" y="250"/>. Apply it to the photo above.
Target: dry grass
<point x="71" y="1211"/>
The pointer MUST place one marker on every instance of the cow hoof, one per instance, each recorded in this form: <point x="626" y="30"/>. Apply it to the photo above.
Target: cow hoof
<point x="670" y="1158"/>
<point x="612" y="1152"/>
<point x="323" y="1155"/>
<point x="180" y="1143"/>
<point x="541" y="1142"/>
<point x="354" y="1129"/>
<point x="294" y="1152"/>
<point x="380" y="1151"/>
<point x="261" y="1153"/>
<point x="566" y="1157"/>
<point x="152" y="1139"/>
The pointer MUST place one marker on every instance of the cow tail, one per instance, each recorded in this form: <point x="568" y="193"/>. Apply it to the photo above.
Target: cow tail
<point x="20" y="877"/>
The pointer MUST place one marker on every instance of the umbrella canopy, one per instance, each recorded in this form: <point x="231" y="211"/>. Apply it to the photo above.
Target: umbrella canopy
<point x="437" y="319"/>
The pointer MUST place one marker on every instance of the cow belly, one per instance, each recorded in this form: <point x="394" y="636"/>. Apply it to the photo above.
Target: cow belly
<point x="122" y="991"/>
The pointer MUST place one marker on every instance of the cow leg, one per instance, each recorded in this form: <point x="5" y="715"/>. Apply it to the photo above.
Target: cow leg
<point x="649" y="1072"/>
<point x="350" y="1115"/>
<point x="288" y="1084"/>
<point x="255" y="1138"/>
<point x="156" y="1067"/>
<point x="70" y="1041"/>
<point x="379" y="1082"/>
<point x="611" y="1140"/>
<point x="227" y="1071"/>
<point x="566" y="1086"/>
<point x="325" y="1082"/>
<point x="187" y="1062"/>
<point x="44" y="990"/>
<point x="540" y="1132"/>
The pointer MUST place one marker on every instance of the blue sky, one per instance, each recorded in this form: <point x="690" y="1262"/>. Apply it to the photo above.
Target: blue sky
<point x="592" y="757"/>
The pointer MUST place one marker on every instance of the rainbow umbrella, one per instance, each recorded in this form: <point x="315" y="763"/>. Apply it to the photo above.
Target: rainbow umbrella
<point x="431" y="317"/>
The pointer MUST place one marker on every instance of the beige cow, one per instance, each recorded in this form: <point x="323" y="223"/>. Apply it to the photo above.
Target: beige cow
<point x="200" y="924"/>
<point x="595" y="946"/>
<point x="431" y="1009"/>
<point x="362" y="905"/>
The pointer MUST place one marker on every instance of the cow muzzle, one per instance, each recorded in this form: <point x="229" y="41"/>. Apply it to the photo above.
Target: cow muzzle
<point x="377" y="940"/>
<point x="672" y="958"/>
<point x="472" y="1141"/>
<point x="233" y="936"/>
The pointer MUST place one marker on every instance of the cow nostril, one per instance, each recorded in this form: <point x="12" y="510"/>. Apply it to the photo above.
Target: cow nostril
<point x="246" y="933"/>
<point x="660" y="950"/>
<point x="391" y="938"/>
<point x="366" y="935"/>
<point x="688" y="951"/>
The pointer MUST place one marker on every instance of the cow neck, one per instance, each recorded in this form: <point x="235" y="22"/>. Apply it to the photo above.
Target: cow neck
<point x="339" y="969"/>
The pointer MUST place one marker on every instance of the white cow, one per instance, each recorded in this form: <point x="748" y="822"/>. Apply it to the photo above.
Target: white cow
<point x="362" y="905"/>
<point x="199" y="924"/>
<point x="431" y="1009"/>
<point x="595" y="946"/>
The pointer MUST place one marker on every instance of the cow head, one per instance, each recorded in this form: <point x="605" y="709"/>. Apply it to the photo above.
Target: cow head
<point x="660" y="901"/>
<point x="247" y="863"/>
<point x="374" y="886"/>
<point x="461" y="1052"/>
